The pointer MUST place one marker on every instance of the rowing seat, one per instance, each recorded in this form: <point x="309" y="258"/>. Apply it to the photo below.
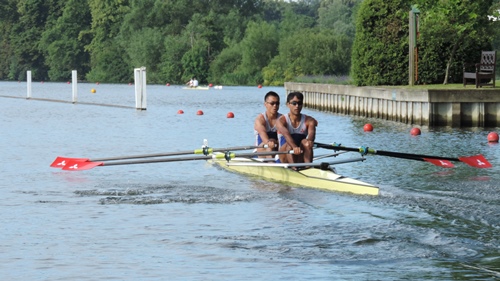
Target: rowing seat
<point x="484" y="71"/>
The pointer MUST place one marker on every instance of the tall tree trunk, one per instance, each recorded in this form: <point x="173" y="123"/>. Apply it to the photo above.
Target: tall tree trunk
<point x="450" y="59"/>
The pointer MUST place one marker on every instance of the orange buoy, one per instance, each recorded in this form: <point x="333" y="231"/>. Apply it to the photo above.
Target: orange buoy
<point x="230" y="115"/>
<point x="180" y="111"/>
<point x="199" y="112"/>
<point x="415" y="132"/>
<point x="492" y="137"/>
<point x="368" y="127"/>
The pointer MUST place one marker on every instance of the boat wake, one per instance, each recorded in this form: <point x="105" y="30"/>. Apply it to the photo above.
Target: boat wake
<point x="165" y="194"/>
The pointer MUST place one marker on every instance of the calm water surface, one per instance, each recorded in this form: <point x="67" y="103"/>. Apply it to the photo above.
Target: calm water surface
<point x="192" y="221"/>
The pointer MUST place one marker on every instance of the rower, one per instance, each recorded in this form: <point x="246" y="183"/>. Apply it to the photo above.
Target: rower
<point x="297" y="131"/>
<point x="265" y="129"/>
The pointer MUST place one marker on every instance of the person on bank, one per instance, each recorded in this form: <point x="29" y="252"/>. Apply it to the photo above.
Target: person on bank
<point x="265" y="126"/>
<point x="298" y="131"/>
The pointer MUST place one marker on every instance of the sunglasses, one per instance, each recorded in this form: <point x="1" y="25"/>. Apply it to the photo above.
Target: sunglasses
<point x="294" y="103"/>
<point x="273" y="103"/>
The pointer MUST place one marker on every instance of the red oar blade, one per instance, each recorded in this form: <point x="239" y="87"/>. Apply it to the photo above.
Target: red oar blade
<point x="81" y="165"/>
<point x="477" y="161"/>
<point x="440" y="162"/>
<point x="60" y="162"/>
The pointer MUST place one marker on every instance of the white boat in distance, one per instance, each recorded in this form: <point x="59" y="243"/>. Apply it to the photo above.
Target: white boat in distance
<point x="196" y="88"/>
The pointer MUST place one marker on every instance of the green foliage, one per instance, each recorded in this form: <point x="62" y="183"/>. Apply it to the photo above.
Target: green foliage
<point x="171" y="60"/>
<point x="258" y="47"/>
<point x="222" y="69"/>
<point x="338" y="16"/>
<point x="241" y="42"/>
<point x="110" y="65"/>
<point x="457" y="31"/>
<point x="380" y="50"/>
<point x="63" y="49"/>
<point x="309" y="52"/>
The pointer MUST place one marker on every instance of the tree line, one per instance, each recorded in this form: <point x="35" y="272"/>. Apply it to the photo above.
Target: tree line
<point x="238" y="42"/>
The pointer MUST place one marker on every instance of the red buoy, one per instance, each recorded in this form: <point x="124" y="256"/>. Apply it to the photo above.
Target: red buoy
<point x="199" y="112"/>
<point x="180" y="111"/>
<point x="492" y="137"/>
<point x="368" y="127"/>
<point x="210" y="85"/>
<point x="230" y="115"/>
<point x="260" y="86"/>
<point x="168" y="84"/>
<point x="415" y="132"/>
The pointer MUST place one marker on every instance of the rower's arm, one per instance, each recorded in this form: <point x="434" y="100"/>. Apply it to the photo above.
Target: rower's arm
<point x="281" y="126"/>
<point x="260" y="127"/>
<point x="311" y="128"/>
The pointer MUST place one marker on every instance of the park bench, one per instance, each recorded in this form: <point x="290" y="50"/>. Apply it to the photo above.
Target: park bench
<point x="484" y="71"/>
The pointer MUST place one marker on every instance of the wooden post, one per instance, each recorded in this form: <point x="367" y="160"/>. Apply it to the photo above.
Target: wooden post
<point x="411" y="61"/>
<point x="412" y="40"/>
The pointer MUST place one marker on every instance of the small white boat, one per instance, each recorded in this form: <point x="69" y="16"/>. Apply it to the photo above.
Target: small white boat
<point x="196" y="88"/>
<point x="319" y="176"/>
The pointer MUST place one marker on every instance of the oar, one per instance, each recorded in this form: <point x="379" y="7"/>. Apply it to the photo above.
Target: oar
<point x="477" y="161"/>
<point x="85" y="165"/>
<point x="60" y="161"/>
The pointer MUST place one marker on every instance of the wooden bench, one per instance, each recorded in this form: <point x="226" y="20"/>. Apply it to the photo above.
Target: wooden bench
<point x="485" y="70"/>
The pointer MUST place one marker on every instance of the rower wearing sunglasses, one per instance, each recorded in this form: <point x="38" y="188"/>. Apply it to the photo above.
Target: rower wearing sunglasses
<point x="266" y="132"/>
<point x="297" y="131"/>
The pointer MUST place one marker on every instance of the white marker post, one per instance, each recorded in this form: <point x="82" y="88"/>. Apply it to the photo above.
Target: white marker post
<point x="28" y="80"/>
<point x="75" y="89"/>
<point x="140" y="88"/>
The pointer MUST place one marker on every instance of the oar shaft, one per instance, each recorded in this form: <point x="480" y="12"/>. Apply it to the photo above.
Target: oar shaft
<point x="205" y="151"/>
<point x="227" y="156"/>
<point x="383" y="153"/>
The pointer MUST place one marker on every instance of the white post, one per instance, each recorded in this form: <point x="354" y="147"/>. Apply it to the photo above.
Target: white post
<point x="28" y="80"/>
<point x="75" y="89"/>
<point x="140" y="88"/>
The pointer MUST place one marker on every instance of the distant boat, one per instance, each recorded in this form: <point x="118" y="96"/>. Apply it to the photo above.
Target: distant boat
<point x="196" y="88"/>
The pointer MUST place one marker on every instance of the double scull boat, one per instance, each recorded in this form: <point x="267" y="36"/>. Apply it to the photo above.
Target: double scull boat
<point x="313" y="175"/>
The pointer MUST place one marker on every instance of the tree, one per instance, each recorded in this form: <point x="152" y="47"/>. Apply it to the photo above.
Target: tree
<point x="258" y="47"/>
<point x="107" y="60"/>
<point x="25" y="37"/>
<point x="380" y="48"/>
<point x="62" y="45"/>
<point x="463" y="29"/>
<point x="309" y="52"/>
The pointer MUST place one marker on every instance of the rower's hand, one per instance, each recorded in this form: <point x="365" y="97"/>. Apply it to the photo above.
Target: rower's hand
<point x="297" y="150"/>
<point x="271" y="144"/>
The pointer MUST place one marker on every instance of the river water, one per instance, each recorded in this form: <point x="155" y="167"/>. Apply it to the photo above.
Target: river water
<point x="193" y="221"/>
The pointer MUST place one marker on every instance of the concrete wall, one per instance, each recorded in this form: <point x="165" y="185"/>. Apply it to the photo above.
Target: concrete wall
<point x="457" y="108"/>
